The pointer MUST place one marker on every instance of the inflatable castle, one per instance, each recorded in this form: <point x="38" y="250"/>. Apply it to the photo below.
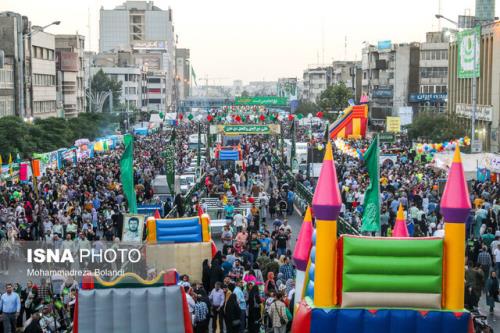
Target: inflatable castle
<point x="351" y="124"/>
<point x="182" y="243"/>
<point x="354" y="284"/>
<point x="130" y="304"/>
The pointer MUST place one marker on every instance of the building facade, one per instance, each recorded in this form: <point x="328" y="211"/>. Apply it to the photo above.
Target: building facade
<point x="71" y="81"/>
<point x="43" y="78"/>
<point x="142" y="27"/>
<point x="315" y="81"/>
<point x="487" y="122"/>
<point x="432" y="92"/>
<point x="390" y="73"/>
<point x="7" y="91"/>
<point x="183" y="73"/>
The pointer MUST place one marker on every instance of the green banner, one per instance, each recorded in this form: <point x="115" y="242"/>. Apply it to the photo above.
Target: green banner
<point x="261" y="100"/>
<point x="170" y="166"/>
<point x="247" y="129"/>
<point x="469" y="42"/>
<point x="127" y="173"/>
<point x="386" y="137"/>
<point x="371" y="204"/>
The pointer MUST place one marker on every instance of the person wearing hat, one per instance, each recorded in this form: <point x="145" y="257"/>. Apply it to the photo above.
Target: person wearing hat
<point x="48" y="322"/>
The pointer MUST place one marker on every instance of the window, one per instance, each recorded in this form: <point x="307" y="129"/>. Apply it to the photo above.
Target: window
<point x="154" y="80"/>
<point x="155" y="101"/>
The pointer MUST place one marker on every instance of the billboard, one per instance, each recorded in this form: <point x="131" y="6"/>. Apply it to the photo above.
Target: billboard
<point x="469" y="45"/>
<point x="67" y="61"/>
<point x="384" y="44"/>
<point x="261" y="100"/>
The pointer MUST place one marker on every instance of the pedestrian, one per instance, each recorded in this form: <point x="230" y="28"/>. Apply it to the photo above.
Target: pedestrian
<point x="201" y="318"/>
<point x="217" y="302"/>
<point x="205" y="274"/>
<point x="254" y="308"/>
<point x="492" y="290"/>
<point x="277" y="313"/>
<point x="232" y="311"/>
<point x="10" y="306"/>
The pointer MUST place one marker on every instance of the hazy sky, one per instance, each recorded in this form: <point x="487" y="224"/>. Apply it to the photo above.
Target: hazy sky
<point x="262" y="39"/>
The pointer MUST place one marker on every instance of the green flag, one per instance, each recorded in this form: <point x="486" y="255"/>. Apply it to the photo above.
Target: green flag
<point x="170" y="166"/>
<point x="292" y="152"/>
<point x="371" y="204"/>
<point x="127" y="173"/>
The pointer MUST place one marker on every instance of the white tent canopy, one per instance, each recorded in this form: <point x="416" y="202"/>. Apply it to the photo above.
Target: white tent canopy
<point x="470" y="162"/>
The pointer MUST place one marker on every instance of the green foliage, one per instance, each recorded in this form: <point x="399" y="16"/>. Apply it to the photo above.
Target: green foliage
<point x="335" y="98"/>
<point x="44" y="135"/>
<point x="306" y="107"/>
<point x="435" y="127"/>
<point x="245" y="93"/>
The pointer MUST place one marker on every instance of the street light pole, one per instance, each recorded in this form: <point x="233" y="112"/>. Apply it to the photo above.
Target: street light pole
<point x="473" y="78"/>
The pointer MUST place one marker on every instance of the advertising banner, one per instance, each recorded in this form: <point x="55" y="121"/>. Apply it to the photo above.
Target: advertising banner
<point x="393" y="124"/>
<point x="248" y="129"/>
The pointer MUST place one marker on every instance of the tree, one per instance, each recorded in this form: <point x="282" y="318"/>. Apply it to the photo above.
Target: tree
<point x="245" y="93"/>
<point x="306" y="107"/>
<point x="101" y="83"/>
<point x="434" y="127"/>
<point x="335" y="98"/>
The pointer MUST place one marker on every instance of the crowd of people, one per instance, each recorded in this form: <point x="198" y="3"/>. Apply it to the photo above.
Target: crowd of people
<point x="249" y="284"/>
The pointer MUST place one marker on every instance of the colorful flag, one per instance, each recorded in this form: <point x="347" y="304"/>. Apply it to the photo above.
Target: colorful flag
<point x="35" y="168"/>
<point x="11" y="170"/>
<point x="23" y="172"/>
<point x="127" y="173"/>
<point x="371" y="204"/>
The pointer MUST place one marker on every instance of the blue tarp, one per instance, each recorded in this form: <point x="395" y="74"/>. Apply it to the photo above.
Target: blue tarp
<point x="141" y="131"/>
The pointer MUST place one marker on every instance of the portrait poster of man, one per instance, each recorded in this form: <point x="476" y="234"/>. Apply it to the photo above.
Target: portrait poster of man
<point x="133" y="225"/>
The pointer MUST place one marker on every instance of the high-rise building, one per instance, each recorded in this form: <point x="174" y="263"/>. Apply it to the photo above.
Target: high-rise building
<point x="142" y="27"/>
<point x="433" y="77"/>
<point x="390" y="73"/>
<point x="71" y="81"/>
<point x="485" y="10"/>
<point x="487" y="116"/>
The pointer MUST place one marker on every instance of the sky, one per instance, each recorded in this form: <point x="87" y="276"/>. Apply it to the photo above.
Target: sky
<point x="262" y="39"/>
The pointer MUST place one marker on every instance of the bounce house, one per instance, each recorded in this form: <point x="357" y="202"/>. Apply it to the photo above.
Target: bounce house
<point x="228" y="153"/>
<point x="352" y="123"/>
<point x="181" y="243"/>
<point x="361" y="284"/>
<point x="130" y="304"/>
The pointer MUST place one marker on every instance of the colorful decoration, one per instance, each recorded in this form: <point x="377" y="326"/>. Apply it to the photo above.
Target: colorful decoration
<point x="319" y="114"/>
<point x="181" y="116"/>
<point x="300" y="116"/>
<point x="361" y="284"/>
<point x="431" y="148"/>
<point x="210" y="118"/>
<point x="400" y="229"/>
<point x="262" y="117"/>
<point x="291" y="117"/>
<point x="302" y="249"/>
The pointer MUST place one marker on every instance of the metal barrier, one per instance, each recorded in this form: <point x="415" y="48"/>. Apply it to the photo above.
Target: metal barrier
<point x="303" y="198"/>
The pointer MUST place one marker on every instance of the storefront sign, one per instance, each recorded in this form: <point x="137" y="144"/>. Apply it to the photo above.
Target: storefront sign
<point x="418" y="98"/>
<point x="483" y="112"/>
<point x="261" y="100"/>
<point x="382" y="93"/>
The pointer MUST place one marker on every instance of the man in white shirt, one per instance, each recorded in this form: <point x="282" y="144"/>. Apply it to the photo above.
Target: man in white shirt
<point x="238" y="221"/>
<point x="496" y="252"/>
